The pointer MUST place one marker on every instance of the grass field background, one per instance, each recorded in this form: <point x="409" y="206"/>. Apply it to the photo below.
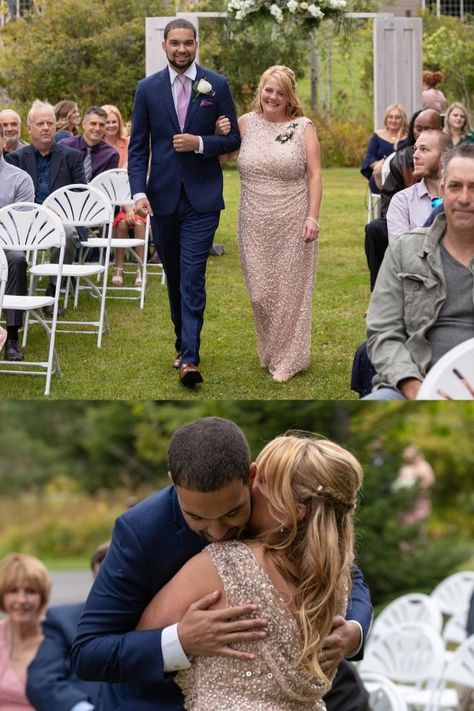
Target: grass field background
<point x="135" y="359"/>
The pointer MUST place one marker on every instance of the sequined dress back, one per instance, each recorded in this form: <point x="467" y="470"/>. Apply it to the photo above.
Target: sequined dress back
<point x="270" y="682"/>
<point x="278" y="266"/>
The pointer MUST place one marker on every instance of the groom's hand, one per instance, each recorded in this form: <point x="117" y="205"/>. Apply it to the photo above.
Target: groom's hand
<point x="342" y="641"/>
<point x="203" y="632"/>
<point x="185" y="142"/>
<point x="143" y="207"/>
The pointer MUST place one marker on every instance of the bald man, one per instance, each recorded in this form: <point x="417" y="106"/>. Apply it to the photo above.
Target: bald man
<point x="11" y="123"/>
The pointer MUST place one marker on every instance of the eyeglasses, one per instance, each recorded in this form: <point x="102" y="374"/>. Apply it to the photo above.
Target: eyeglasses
<point x="436" y="202"/>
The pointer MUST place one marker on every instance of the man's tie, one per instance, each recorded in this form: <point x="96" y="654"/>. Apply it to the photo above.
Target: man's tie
<point x="184" y="93"/>
<point x="88" y="164"/>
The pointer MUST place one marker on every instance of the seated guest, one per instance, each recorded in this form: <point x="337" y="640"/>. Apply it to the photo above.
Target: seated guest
<point x="97" y="155"/>
<point x="24" y="592"/>
<point x="68" y="118"/>
<point x="52" y="166"/>
<point x="433" y="98"/>
<point x="421" y="306"/>
<point x="410" y="208"/>
<point x="382" y="144"/>
<point x="11" y="123"/>
<point x="51" y="683"/>
<point x="15" y="186"/>
<point x="456" y="123"/>
<point x="401" y="166"/>
<point x="399" y="177"/>
<point x="126" y="219"/>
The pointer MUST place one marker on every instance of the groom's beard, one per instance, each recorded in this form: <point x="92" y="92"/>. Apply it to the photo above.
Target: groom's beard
<point x="181" y="67"/>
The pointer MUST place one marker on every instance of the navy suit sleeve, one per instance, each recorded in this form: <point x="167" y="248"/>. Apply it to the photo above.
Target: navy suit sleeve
<point x="139" y="145"/>
<point x="219" y="145"/>
<point x="107" y="647"/>
<point x="360" y="606"/>
<point x="51" y="684"/>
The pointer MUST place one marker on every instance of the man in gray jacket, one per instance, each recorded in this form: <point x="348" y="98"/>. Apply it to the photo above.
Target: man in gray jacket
<point x="422" y="304"/>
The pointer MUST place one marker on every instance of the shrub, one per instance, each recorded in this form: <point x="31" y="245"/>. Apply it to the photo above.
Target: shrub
<point x="343" y="143"/>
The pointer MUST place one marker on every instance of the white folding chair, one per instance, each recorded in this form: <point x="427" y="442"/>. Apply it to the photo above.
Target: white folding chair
<point x="114" y="183"/>
<point x="459" y="671"/>
<point x="28" y="227"/>
<point x="452" y="377"/>
<point x="413" y="607"/>
<point x="80" y="205"/>
<point x="412" y="656"/>
<point x="383" y="693"/>
<point x="373" y="206"/>
<point x="453" y="594"/>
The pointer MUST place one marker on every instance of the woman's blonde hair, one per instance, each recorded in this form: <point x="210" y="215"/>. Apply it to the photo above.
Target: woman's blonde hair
<point x="287" y="80"/>
<point x="403" y="131"/>
<point x="311" y="485"/>
<point x="63" y="112"/>
<point x="111" y="109"/>
<point x="467" y="125"/>
<point x="20" y="566"/>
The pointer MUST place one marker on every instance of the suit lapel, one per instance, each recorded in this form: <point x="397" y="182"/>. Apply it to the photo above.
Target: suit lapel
<point x="194" y="100"/>
<point x="30" y="164"/>
<point x="164" y="89"/>
<point x="56" y="157"/>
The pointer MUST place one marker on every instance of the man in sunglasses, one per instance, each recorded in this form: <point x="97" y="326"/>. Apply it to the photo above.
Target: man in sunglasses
<point x="410" y="207"/>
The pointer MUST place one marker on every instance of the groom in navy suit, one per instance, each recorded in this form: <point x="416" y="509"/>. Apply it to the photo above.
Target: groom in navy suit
<point x="209" y="461"/>
<point x="174" y="118"/>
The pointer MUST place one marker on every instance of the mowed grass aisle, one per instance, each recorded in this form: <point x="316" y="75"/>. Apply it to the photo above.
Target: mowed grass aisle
<point x="135" y="359"/>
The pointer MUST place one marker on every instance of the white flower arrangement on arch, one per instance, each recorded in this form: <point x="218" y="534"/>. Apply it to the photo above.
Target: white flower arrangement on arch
<point x="288" y="13"/>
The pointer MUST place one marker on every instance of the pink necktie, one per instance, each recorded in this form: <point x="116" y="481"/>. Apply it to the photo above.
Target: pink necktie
<point x="182" y="99"/>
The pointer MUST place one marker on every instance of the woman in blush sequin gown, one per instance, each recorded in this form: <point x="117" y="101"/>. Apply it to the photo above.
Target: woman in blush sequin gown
<point x="278" y="224"/>
<point x="297" y="568"/>
<point x="24" y="592"/>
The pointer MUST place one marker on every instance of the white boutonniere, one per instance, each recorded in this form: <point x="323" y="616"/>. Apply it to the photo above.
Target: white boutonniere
<point x="202" y="87"/>
<point x="288" y="134"/>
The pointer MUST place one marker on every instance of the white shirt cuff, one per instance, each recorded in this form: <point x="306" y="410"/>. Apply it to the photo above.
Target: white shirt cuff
<point x="361" y="642"/>
<point x="200" y="150"/>
<point x="138" y="196"/>
<point x="174" y="656"/>
<point x="82" y="706"/>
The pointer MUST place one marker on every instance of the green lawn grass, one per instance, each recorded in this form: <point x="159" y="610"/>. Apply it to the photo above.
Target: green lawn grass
<point x="135" y="359"/>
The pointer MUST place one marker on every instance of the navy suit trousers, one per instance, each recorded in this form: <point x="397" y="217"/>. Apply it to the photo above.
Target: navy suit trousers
<point x="184" y="240"/>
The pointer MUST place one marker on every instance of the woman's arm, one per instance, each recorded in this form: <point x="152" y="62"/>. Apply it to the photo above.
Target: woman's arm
<point x="198" y="577"/>
<point x="315" y="186"/>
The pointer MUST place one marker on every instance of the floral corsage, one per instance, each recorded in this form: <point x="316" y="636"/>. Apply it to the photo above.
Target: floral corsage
<point x="288" y="134"/>
<point x="202" y="87"/>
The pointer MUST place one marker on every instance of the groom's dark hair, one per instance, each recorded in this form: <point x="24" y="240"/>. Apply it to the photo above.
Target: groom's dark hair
<point x="207" y="454"/>
<point x="179" y="24"/>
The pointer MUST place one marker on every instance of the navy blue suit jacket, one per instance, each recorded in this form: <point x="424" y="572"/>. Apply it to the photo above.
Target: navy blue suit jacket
<point x="66" y="165"/>
<point x="51" y="683"/>
<point x="154" y="123"/>
<point x="150" y="543"/>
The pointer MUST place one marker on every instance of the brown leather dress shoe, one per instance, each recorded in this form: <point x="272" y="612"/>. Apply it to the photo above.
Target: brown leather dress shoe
<point x="189" y="375"/>
<point x="177" y="361"/>
<point x="48" y="311"/>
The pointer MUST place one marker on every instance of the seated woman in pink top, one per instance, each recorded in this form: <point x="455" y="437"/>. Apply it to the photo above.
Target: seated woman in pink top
<point x="127" y="218"/>
<point x="24" y="593"/>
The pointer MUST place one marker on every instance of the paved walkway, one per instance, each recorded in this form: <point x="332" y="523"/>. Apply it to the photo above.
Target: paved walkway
<point x="70" y="586"/>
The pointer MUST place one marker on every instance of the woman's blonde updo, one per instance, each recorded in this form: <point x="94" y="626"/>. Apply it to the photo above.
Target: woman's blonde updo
<point x="311" y="485"/>
<point x="287" y="80"/>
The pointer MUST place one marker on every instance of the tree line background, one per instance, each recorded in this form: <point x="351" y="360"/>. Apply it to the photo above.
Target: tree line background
<point x="68" y="469"/>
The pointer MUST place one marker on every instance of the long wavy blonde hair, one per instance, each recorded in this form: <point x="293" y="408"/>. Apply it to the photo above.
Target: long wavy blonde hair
<point x="311" y="485"/>
<point x="287" y="80"/>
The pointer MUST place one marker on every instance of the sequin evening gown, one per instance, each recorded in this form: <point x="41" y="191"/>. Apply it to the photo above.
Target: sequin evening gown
<point x="271" y="681"/>
<point x="279" y="267"/>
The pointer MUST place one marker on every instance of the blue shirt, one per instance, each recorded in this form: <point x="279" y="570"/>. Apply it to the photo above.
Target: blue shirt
<point x="43" y="172"/>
